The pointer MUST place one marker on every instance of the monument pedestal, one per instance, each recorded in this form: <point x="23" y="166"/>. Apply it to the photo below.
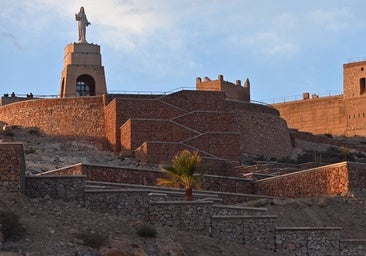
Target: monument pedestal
<point x="83" y="73"/>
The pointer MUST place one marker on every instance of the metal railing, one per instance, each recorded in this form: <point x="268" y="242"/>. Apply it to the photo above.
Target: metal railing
<point x="300" y="97"/>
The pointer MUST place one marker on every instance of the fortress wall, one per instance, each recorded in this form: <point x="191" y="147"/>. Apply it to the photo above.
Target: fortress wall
<point x="263" y="134"/>
<point x="223" y="145"/>
<point x="325" y="180"/>
<point x="136" y="131"/>
<point x="233" y="91"/>
<point x="111" y="96"/>
<point x="262" y="130"/>
<point x="82" y="116"/>
<point x="203" y="121"/>
<point x="111" y="128"/>
<point x="356" y="116"/>
<point x="120" y="110"/>
<point x="197" y="100"/>
<point x="12" y="166"/>
<point x="318" y="116"/>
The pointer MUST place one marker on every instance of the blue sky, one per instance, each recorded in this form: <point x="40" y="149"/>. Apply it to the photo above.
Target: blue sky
<point x="284" y="47"/>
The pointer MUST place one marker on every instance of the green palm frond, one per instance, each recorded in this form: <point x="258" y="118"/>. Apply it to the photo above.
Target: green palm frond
<point x="182" y="171"/>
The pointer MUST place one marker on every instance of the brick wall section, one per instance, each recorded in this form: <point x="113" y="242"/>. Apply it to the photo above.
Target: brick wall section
<point x="82" y="116"/>
<point x="122" y="109"/>
<point x="197" y="100"/>
<point x="207" y="121"/>
<point x="158" y="152"/>
<point x="262" y="131"/>
<point x="12" y="166"/>
<point x="308" y="241"/>
<point x="111" y="96"/>
<point x="111" y="126"/>
<point x="135" y="132"/>
<point x="223" y="145"/>
<point x="144" y="108"/>
<point x="326" y="180"/>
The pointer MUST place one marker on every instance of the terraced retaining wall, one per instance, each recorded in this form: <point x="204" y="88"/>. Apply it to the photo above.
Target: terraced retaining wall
<point x="12" y="166"/>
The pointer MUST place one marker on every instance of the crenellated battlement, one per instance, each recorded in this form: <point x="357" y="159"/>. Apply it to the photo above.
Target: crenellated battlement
<point x="235" y="91"/>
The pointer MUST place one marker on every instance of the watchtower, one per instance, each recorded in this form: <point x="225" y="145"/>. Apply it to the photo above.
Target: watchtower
<point x="83" y="73"/>
<point x="354" y="79"/>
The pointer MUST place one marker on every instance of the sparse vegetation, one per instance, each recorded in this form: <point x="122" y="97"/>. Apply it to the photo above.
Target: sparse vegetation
<point x="328" y="135"/>
<point x="92" y="239"/>
<point x="10" y="225"/>
<point x="147" y="231"/>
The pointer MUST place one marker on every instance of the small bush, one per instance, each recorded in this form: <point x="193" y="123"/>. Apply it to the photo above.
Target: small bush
<point x="93" y="240"/>
<point x="146" y="230"/>
<point x="10" y="226"/>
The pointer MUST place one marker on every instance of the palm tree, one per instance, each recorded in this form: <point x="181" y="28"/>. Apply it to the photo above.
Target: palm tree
<point x="181" y="173"/>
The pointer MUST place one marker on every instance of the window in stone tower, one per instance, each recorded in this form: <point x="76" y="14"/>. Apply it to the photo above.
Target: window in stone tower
<point x="362" y="85"/>
<point x="85" y="86"/>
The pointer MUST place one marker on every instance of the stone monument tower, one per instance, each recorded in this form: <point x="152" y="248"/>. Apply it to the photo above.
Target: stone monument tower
<point x="83" y="73"/>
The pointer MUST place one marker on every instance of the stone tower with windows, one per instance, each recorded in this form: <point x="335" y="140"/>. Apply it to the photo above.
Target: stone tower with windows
<point x="83" y="73"/>
<point x="354" y="79"/>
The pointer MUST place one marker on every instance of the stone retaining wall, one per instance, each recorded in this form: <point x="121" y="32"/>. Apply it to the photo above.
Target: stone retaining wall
<point x="194" y="216"/>
<point x="237" y="210"/>
<point x="68" y="188"/>
<point x="352" y="247"/>
<point x="325" y="180"/>
<point x="256" y="231"/>
<point x="12" y="166"/>
<point x="127" y="202"/>
<point x="79" y="116"/>
<point x="148" y="177"/>
<point x="308" y="241"/>
<point x="227" y="184"/>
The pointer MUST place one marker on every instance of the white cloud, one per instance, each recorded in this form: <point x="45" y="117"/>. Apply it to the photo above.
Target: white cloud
<point x="334" y="19"/>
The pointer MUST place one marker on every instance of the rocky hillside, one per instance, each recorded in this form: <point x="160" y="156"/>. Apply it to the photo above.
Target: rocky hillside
<point x="53" y="227"/>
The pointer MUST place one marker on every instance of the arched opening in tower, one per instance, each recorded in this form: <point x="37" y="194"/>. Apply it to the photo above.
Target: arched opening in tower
<point x="85" y="85"/>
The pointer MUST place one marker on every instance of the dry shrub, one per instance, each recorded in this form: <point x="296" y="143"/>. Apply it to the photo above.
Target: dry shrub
<point x="92" y="239"/>
<point x="146" y="230"/>
<point x="10" y="225"/>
